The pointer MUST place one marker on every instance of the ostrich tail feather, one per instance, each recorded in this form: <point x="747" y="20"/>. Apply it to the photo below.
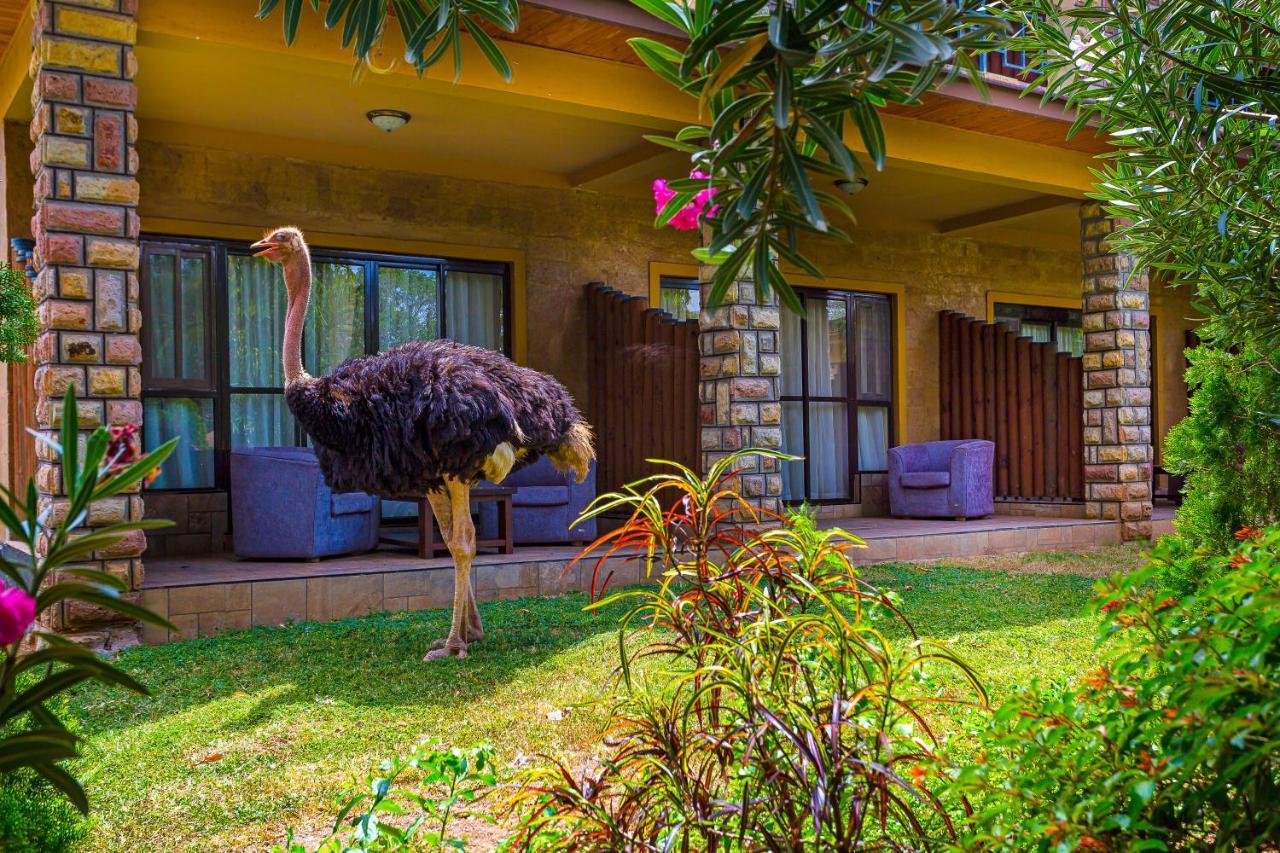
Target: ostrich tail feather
<point x="576" y="452"/>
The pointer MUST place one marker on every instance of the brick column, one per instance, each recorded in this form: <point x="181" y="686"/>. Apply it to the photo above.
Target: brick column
<point x="740" y="368"/>
<point x="1117" y="380"/>
<point x="86" y="256"/>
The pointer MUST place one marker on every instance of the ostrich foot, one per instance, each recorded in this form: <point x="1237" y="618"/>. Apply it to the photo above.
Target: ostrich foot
<point x="470" y="636"/>
<point x="451" y="648"/>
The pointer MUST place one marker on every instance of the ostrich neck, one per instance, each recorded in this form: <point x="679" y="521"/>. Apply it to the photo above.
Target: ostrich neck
<point x="297" y="276"/>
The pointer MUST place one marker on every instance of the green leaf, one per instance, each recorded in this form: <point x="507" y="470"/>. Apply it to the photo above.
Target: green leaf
<point x="661" y="59"/>
<point x="490" y="50"/>
<point x="292" y="14"/>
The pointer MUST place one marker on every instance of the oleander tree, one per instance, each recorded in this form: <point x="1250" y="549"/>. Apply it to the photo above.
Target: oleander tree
<point x="1189" y="94"/>
<point x="784" y="88"/>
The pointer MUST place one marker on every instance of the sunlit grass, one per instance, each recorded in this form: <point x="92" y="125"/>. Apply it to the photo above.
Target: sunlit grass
<point x="249" y="734"/>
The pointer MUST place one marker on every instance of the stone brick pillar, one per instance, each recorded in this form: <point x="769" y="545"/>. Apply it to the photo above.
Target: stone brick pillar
<point x="1117" y="380"/>
<point x="86" y="256"/>
<point x="740" y="368"/>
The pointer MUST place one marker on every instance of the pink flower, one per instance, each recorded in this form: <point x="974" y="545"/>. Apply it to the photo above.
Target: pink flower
<point x="17" y="612"/>
<point x="687" y="217"/>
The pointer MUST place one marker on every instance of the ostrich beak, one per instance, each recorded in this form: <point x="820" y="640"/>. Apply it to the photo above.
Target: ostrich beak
<point x="265" y="247"/>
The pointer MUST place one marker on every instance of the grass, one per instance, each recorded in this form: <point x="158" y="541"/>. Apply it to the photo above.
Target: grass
<point x="249" y="734"/>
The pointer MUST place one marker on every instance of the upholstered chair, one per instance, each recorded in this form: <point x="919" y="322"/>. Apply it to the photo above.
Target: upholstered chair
<point x="942" y="479"/>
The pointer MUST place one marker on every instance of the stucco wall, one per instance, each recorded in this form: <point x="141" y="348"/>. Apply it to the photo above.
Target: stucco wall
<point x="941" y="272"/>
<point x="568" y="238"/>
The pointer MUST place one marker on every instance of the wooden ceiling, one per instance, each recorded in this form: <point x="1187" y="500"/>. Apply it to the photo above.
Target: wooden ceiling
<point x="11" y="12"/>
<point x="575" y="33"/>
<point x="995" y="120"/>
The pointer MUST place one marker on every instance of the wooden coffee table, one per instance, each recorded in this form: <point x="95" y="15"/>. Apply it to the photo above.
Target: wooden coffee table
<point x="429" y="547"/>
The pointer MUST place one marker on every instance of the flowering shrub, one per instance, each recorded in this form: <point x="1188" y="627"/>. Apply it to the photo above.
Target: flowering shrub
<point x="1169" y="744"/>
<point x="50" y="573"/>
<point x="776" y="715"/>
<point x="687" y="215"/>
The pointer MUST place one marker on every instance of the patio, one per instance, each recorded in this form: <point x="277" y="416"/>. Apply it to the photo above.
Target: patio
<point x="209" y="594"/>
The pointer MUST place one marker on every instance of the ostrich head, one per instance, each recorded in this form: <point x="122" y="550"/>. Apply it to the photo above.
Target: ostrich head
<point x="281" y="245"/>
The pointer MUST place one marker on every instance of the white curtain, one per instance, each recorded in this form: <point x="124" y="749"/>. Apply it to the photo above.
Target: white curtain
<point x="828" y="377"/>
<point x="473" y="308"/>
<point x="873" y="438"/>
<point x="828" y="422"/>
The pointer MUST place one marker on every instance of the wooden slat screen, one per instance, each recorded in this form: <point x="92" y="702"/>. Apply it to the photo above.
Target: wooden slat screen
<point x="1024" y="396"/>
<point x="642" y="377"/>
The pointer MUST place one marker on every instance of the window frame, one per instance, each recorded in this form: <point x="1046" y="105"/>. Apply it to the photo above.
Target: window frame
<point x="217" y="326"/>
<point x="853" y="400"/>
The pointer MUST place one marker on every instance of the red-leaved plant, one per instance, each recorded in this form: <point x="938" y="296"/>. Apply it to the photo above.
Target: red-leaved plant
<point x="760" y="703"/>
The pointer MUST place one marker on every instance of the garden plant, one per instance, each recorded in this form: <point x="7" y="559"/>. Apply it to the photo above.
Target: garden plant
<point x="40" y="665"/>
<point x="775" y="714"/>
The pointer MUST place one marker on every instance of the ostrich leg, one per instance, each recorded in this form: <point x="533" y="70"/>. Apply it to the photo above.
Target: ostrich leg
<point x="443" y="511"/>
<point x="460" y="536"/>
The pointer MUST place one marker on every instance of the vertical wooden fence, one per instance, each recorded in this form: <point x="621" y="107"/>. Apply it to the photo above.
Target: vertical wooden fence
<point x="642" y="376"/>
<point x="1024" y="396"/>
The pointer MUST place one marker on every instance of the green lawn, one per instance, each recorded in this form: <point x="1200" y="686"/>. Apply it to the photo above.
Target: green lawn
<point x="249" y="734"/>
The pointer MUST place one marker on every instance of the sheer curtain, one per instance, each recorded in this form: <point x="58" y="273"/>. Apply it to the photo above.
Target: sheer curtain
<point x="335" y="323"/>
<point x="792" y="412"/>
<point x="827" y="330"/>
<point x="873" y="344"/>
<point x="408" y="305"/>
<point x="255" y="314"/>
<point x="190" y="466"/>
<point x="473" y="308"/>
<point x="826" y="327"/>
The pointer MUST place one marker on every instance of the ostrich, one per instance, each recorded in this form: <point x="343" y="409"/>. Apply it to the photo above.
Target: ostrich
<point x="425" y="418"/>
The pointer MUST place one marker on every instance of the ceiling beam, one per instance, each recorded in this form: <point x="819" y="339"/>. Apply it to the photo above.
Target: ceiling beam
<point x="628" y="159"/>
<point x="1035" y="204"/>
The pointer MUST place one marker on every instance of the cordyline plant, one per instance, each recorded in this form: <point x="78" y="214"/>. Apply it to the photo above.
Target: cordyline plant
<point x="777" y="83"/>
<point x="775" y="714"/>
<point x="1188" y="92"/>
<point x="50" y="574"/>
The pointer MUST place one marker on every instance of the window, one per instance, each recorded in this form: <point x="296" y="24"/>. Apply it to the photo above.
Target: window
<point x="1063" y="326"/>
<point x="837" y="392"/>
<point x="214" y="329"/>
<point x="680" y="297"/>
<point x="178" y="367"/>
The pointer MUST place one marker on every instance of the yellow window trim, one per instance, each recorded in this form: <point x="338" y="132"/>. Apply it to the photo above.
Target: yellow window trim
<point x="994" y="296"/>
<point x="514" y="257"/>
<point x="898" y="291"/>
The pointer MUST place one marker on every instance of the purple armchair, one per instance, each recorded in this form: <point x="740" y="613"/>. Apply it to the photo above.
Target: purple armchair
<point x="545" y="505"/>
<point x="281" y="508"/>
<point x="942" y="479"/>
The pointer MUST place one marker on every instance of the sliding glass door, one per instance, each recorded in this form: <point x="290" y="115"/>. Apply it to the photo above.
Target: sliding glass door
<point x="837" y="379"/>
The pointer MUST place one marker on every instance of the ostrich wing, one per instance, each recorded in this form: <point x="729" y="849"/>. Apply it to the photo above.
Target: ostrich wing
<point x="462" y="418"/>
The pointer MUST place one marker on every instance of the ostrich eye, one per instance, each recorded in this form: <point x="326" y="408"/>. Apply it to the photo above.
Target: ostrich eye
<point x="280" y="237"/>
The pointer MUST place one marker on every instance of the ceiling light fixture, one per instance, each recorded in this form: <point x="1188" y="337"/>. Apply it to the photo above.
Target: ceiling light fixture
<point x="388" y="120"/>
<point x="853" y="187"/>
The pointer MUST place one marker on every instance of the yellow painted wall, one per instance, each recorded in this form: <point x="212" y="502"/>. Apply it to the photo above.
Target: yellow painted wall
<point x="562" y="238"/>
